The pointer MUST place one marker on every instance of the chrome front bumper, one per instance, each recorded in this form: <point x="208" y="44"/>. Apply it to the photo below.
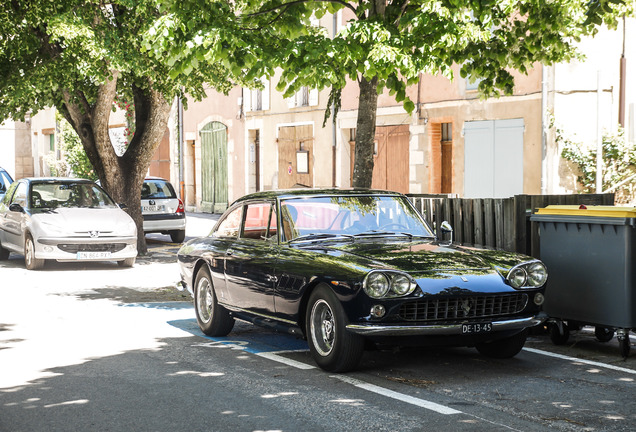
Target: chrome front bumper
<point x="440" y="329"/>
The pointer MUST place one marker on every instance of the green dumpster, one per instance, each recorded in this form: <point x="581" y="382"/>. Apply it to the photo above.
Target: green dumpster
<point x="590" y="253"/>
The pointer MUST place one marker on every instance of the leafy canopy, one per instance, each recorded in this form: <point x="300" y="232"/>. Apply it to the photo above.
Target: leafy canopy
<point x="393" y="41"/>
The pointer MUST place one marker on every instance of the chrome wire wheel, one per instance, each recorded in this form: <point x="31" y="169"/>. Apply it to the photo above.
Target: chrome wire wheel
<point x="205" y="300"/>
<point x="323" y="326"/>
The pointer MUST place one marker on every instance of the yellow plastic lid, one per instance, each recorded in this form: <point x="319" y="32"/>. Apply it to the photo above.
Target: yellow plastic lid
<point x="582" y="210"/>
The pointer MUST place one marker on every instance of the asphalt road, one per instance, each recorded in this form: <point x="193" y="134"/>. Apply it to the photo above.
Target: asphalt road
<point x="95" y="347"/>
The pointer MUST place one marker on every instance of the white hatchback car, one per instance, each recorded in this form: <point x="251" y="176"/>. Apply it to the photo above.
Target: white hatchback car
<point x="64" y="219"/>
<point x="163" y="212"/>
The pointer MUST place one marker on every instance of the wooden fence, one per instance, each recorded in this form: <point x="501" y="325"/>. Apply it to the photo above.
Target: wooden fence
<point x="497" y="223"/>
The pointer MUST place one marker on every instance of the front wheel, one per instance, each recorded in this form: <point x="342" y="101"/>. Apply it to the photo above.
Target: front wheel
<point x="213" y="319"/>
<point x="333" y="348"/>
<point x="4" y="253"/>
<point x="31" y="262"/>
<point x="503" y="348"/>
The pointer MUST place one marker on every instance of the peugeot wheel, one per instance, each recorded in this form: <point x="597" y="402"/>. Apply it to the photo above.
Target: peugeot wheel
<point x="31" y="262"/>
<point x="333" y="347"/>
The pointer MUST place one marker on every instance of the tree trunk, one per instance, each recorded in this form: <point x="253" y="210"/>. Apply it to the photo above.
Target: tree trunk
<point x="121" y="176"/>
<point x="365" y="133"/>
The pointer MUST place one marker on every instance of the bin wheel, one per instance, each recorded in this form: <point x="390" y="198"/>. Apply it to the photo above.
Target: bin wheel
<point x="559" y="332"/>
<point x="624" y="346"/>
<point x="603" y="334"/>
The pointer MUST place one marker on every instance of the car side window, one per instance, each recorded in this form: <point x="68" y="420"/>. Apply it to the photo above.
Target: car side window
<point x="6" y="200"/>
<point x="230" y="225"/>
<point x="20" y="196"/>
<point x="256" y="221"/>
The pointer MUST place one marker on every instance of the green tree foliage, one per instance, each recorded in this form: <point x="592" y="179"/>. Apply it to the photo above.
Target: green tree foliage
<point x="385" y="44"/>
<point x="73" y="153"/>
<point x="619" y="164"/>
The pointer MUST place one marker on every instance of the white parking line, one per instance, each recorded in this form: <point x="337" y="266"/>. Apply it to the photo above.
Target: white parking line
<point x="280" y="359"/>
<point x="578" y="360"/>
<point x="398" y="396"/>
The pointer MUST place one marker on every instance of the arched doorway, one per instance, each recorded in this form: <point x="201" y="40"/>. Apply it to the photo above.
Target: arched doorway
<point x="214" y="193"/>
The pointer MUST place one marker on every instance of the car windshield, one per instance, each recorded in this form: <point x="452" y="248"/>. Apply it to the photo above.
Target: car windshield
<point x="50" y="195"/>
<point x="350" y="216"/>
<point x="5" y="181"/>
<point x="153" y="189"/>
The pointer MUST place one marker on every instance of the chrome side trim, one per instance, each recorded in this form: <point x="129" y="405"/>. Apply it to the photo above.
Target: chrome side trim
<point x="440" y="329"/>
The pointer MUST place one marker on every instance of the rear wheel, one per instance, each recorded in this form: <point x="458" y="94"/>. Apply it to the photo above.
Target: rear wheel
<point x="31" y="262"/>
<point x="503" y="348"/>
<point x="213" y="319"/>
<point x="333" y="347"/>
<point x="177" y="236"/>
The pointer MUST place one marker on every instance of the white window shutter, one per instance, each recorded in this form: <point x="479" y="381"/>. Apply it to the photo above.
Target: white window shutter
<point x="291" y="101"/>
<point x="247" y="100"/>
<point x="313" y="97"/>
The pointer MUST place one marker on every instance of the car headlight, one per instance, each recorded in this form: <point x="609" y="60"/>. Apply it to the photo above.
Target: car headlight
<point x="376" y="285"/>
<point x="537" y="274"/>
<point x="379" y="284"/>
<point x="528" y="275"/>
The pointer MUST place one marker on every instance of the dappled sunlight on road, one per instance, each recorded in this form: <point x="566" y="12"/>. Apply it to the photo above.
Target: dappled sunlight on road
<point x="43" y="327"/>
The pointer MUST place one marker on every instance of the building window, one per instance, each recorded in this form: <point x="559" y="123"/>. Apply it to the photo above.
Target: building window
<point x="52" y="142"/>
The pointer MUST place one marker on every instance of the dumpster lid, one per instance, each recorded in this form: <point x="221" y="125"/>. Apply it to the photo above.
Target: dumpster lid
<point x="597" y="211"/>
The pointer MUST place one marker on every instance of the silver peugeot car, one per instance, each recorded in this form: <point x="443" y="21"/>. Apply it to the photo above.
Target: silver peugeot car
<point x="64" y="219"/>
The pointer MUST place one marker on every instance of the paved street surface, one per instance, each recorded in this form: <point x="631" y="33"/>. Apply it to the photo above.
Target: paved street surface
<point x="95" y="347"/>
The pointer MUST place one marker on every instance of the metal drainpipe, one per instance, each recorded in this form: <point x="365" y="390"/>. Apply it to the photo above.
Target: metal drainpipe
<point x="333" y="128"/>
<point x="181" y="152"/>
<point x="544" y="131"/>
<point x="623" y="77"/>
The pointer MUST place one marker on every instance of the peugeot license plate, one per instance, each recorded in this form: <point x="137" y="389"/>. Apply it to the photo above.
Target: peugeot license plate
<point x="476" y="328"/>
<point x="93" y="255"/>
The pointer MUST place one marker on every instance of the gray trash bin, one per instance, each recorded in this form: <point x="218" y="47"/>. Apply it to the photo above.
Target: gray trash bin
<point x="590" y="253"/>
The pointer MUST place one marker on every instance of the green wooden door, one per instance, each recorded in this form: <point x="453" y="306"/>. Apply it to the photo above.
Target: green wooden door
<point x="214" y="194"/>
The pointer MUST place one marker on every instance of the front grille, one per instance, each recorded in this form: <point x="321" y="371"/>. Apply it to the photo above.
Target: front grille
<point x="97" y="247"/>
<point x="446" y="309"/>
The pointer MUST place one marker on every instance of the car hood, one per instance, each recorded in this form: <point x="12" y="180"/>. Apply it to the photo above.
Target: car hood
<point x="77" y="219"/>
<point x="421" y="257"/>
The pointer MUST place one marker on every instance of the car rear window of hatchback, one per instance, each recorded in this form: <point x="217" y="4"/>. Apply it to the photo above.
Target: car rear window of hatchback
<point x="157" y="189"/>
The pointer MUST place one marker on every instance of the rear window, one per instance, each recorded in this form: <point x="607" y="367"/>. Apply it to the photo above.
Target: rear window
<point x="153" y="189"/>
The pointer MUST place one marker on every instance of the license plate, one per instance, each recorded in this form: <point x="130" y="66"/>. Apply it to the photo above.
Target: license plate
<point x="476" y="328"/>
<point x="153" y="208"/>
<point x="92" y="255"/>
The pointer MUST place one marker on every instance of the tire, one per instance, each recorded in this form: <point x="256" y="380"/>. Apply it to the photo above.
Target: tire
<point x="4" y="253"/>
<point x="128" y="262"/>
<point x="603" y="334"/>
<point x="213" y="319"/>
<point x="333" y="348"/>
<point x="177" y="236"/>
<point x="504" y="348"/>
<point x="31" y="262"/>
<point x="559" y="333"/>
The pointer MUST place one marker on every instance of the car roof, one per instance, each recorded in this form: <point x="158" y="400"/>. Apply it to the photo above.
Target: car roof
<point x="310" y="192"/>
<point x="57" y="179"/>
<point x="155" y="178"/>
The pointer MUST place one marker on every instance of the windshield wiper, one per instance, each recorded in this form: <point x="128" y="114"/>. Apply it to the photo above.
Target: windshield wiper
<point x="318" y="236"/>
<point x="377" y="233"/>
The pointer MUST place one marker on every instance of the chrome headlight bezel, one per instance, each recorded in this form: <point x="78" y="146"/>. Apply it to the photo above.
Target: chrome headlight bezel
<point x="528" y="275"/>
<point x="380" y="284"/>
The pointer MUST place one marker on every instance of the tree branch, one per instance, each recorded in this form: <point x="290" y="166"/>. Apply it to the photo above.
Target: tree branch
<point x="287" y="5"/>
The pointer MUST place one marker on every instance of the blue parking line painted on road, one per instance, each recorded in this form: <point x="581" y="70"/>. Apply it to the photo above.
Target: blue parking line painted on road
<point x="247" y="337"/>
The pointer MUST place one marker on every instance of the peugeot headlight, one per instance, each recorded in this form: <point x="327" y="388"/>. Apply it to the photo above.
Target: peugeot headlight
<point x="528" y="275"/>
<point x="386" y="284"/>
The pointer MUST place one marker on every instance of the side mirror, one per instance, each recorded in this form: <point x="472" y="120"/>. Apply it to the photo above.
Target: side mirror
<point x="122" y="206"/>
<point x="447" y="233"/>
<point x="15" y="207"/>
